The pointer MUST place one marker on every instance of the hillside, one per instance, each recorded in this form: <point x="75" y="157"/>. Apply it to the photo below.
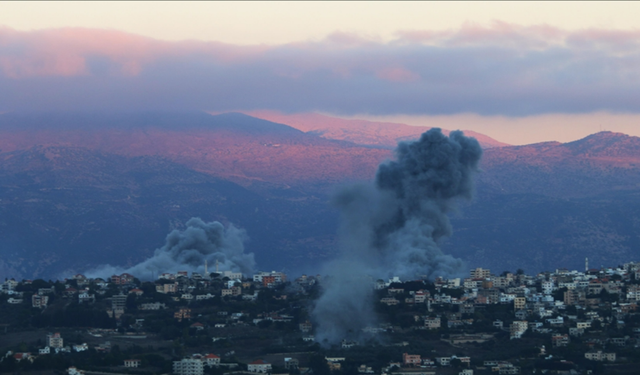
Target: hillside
<point x="70" y="209"/>
<point x="594" y="165"/>
<point x="237" y="147"/>
<point x="77" y="190"/>
<point x="363" y="132"/>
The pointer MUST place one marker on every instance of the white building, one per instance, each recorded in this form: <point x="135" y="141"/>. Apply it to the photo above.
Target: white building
<point x="188" y="366"/>
<point x="279" y="277"/>
<point x="432" y="322"/>
<point x="39" y="301"/>
<point x="132" y="363"/>
<point x="211" y="360"/>
<point x="259" y="365"/>
<point x="54" y="340"/>
<point x="600" y="356"/>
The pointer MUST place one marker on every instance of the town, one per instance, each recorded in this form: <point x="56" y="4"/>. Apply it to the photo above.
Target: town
<point x="560" y="322"/>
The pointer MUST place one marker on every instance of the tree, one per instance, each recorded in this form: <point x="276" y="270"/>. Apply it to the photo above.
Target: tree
<point x="456" y="363"/>
<point x="131" y="301"/>
<point x="319" y="365"/>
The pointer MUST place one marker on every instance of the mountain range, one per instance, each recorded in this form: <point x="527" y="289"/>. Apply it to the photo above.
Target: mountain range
<point x="82" y="189"/>
<point x="380" y="134"/>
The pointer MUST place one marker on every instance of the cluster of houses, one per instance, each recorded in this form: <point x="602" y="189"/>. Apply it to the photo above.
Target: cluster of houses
<point x="179" y="285"/>
<point x="562" y="304"/>
<point x="54" y="345"/>
<point x="196" y="364"/>
<point x="547" y="303"/>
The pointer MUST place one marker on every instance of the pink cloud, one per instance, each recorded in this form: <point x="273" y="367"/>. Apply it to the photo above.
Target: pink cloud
<point x="500" y="68"/>
<point x="397" y="75"/>
<point x="65" y="52"/>
<point x="71" y="51"/>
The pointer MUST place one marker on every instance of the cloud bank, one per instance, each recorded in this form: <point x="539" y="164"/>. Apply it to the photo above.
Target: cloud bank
<point x="503" y="69"/>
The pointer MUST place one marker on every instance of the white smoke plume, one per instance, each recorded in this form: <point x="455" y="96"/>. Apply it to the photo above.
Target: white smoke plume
<point x="187" y="250"/>
<point x="392" y="228"/>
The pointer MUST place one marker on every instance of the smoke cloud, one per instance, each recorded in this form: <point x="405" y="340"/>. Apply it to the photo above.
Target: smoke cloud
<point x="187" y="250"/>
<point x="392" y="228"/>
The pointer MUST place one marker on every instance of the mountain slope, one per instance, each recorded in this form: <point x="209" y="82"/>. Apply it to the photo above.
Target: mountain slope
<point x="246" y="150"/>
<point x="78" y="190"/>
<point x="594" y="165"/>
<point x="372" y="133"/>
<point x="536" y="233"/>
<point x="65" y="210"/>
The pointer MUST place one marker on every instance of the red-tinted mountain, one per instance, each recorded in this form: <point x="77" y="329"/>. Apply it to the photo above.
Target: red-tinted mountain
<point x="596" y="164"/>
<point x="373" y="133"/>
<point x="233" y="146"/>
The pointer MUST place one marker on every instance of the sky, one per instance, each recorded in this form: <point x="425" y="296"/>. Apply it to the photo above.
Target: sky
<point x="520" y="72"/>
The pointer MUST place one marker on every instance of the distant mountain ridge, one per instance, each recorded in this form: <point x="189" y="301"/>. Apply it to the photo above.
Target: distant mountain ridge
<point x="593" y="165"/>
<point x="381" y="134"/>
<point x="234" y="146"/>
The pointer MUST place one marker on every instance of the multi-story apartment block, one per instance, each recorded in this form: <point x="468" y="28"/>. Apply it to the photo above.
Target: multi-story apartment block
<point x="411" y="359"/>
<point x="278" y="277"/>
<point x="432" y="322"/>
<point x="518" y="328"/>
<point x="54" y="340"/>
<point x="480" y="273"/>
<point x="519" y="303"/>
<point x="600" y="356"/>
<point x="188" y="366"/>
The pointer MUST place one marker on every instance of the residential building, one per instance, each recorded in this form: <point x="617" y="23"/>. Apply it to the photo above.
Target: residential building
<point x="519" y="303"/>
<point x="188" y="366"/>
<point x="167" y="288"/>
<point x="600" y="356"/>
<point x="118" y="302"/>
<point x="85" y="297"/>
<point x="432" y="322"/>
<point x="518" y="327"/>
<point x="39" y="301"/>
<point x="259" y="365"/>
<point x="132" y="363"/>
<point x="480" y="273"/>
<point x="152" y="306"/>
<point x="183" y="313"/>
<point x="211" y="360"/>
<point x="54" y="340"/>
<point x="411" y="359"/>
<point x="278" y="277"/>
<point x="291" y="363"/>
<point x="558" y="340"/>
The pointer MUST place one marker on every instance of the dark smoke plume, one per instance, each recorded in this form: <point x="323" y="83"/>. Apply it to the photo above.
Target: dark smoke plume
<point x="187" y="250"/>
<point x="392" y="228"/>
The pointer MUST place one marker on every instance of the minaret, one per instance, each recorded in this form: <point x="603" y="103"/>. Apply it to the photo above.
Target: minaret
<point x="206" y="271"/>
<point x="217" y="266"/>
<point x="586" y="264"/>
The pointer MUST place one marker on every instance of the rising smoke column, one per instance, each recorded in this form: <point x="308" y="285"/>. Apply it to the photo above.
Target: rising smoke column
<point x="187" y="250"/>
<point x="392" y="227"/>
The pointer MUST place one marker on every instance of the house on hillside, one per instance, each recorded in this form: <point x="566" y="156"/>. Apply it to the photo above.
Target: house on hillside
<point x="259" y="365"/>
